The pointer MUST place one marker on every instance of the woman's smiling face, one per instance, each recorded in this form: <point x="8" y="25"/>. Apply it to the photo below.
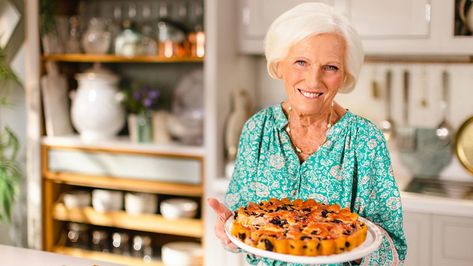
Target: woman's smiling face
<point x="313" y="71"/>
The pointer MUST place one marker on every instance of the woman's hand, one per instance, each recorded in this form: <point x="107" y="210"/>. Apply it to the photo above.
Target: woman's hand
<point x="222" y="216"/>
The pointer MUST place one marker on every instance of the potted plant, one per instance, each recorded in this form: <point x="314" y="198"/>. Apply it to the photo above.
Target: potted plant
<point x="10" y="173"/>
<point x="140" y="102"/>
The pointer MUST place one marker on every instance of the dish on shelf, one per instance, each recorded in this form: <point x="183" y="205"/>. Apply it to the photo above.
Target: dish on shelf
<point x="107" y="200"/>
<point x="178" y="208"/>
<point x="76" y="199"/>
<point x="140" y="203"/>
<point x="182" y="254"/>
<point x="372" y="242"/>
<point x="186" y="120"/>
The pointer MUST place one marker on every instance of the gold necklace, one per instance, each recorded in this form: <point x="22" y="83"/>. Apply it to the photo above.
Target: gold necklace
<point x="288" y="129"/>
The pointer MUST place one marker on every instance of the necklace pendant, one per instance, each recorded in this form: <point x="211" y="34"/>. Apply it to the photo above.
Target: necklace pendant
<point x="298" y="150"/>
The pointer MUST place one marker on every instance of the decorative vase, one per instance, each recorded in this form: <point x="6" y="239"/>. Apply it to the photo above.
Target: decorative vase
<point x="140" y="128"/>
<point x="96" y="40"/>
<point x="160" y="129"/>
<point x="240" y="112"/>
<point x="145" y="128"/>
<point x="96" y="110"/>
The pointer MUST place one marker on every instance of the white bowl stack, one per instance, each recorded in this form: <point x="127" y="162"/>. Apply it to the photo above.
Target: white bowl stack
<point x="178" y="208"/>
<point x="107" y="200"/>
<point x="140" y="203"/>
<point x="76" y="199"/>
<point x="182" y="254"/>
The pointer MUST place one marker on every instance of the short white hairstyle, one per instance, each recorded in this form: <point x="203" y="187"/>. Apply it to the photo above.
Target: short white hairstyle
<point x="309" y="19"/>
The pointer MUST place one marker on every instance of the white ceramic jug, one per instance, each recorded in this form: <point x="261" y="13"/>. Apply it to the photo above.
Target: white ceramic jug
<point x="96" y="110"/>
<point x="466" y="16"/>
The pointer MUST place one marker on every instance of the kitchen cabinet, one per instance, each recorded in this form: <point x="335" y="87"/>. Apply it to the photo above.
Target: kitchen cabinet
<point x="387" y="28"/>
<point x="451" y="240"/>
<point x="383" y="20"/>
<point x="435" y="239"/>
<point x="417" y="228"/>
<point x="257" y="16"/>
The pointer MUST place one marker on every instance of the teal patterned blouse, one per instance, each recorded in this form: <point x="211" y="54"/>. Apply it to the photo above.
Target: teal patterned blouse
<point x="354" y="159"/>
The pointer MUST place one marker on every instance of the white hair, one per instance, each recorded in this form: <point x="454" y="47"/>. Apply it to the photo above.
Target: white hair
<point x="312" y="19"/>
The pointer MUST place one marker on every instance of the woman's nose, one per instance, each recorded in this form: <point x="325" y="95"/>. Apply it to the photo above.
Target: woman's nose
<point x="313" y="78"/>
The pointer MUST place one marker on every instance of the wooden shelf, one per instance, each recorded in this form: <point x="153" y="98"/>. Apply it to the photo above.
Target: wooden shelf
<point x="120" y="219"/>
<point x="123" y="144"/>
<point x="108" y="257"/>
<point x="138" y="185"/>
<point x="107" y="58"/>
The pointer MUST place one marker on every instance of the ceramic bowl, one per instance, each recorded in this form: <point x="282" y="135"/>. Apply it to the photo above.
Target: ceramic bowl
<point x="76" y="199"/>
<point x="178" y="208"/>
<point x="182" y="254"/>
<point x="107" y="200"/>
<point x="141" y="203"/>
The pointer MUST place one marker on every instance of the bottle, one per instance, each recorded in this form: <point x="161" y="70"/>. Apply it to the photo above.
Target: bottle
<point x="149" y="46"/>
<point x="73" y="39"/>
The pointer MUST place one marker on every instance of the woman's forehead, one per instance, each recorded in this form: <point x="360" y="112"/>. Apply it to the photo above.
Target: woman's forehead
<point x="325" y="44"/>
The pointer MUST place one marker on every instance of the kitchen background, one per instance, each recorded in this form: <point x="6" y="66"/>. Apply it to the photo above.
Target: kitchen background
<point x="423" y="37"/>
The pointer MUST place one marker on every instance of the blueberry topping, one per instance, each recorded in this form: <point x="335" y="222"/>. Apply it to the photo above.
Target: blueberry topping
<point x="268" y="245"/>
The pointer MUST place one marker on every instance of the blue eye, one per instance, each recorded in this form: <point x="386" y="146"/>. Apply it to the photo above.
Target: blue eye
<point x="331" y="68"/>
<point x="300" y="62"/>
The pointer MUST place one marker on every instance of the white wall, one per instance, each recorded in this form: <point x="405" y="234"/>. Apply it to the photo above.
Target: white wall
<point x="14" y="117"/>
<point x="361" y="101"/>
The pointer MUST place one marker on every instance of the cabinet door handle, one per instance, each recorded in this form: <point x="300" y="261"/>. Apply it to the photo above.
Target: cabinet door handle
<point x="245" y="16"/>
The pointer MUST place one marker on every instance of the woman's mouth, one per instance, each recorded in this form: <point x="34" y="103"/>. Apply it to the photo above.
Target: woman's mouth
<point x="310" y="95"/>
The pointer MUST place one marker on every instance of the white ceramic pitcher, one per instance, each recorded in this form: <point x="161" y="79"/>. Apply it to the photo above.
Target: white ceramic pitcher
<point x="96" y="110"/>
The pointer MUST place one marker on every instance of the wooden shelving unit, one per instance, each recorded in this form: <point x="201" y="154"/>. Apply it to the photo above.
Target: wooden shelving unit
<point x="104" y="256"/>
<point x="56" y="182"/>
<point x="109" y="58"/>
<point x="120" y="219"/>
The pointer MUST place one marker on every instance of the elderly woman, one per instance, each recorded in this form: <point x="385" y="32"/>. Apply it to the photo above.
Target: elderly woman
<point x="309" y="146"/>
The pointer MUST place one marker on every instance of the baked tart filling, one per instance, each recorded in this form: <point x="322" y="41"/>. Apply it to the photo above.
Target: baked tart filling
<point x="304" y="228"/>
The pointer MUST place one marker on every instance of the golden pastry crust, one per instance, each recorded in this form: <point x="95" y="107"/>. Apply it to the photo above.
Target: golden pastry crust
<point x="298" y="227"/>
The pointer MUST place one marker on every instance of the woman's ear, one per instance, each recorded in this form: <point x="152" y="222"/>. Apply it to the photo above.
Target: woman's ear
<point x="278" y="69"/>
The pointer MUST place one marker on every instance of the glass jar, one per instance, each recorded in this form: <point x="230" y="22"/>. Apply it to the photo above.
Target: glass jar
<point x="100" y="241"/>
<point x="77" y="235"/>
<point x="128" y="41"/>
<point x="96" y="39"/>
<point x="142" y="248"/>
<point x="120" y="243"/>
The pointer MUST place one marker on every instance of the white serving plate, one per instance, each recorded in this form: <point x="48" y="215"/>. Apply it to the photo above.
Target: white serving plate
<point x="374" y="238"/>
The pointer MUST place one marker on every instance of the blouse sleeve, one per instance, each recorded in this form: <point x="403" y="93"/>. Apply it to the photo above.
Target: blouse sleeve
<point x="239" y="191"/>
<point x="379" y="200"/>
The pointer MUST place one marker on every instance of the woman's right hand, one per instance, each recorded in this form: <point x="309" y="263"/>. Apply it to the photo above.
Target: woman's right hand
<point x="223" y="213"/>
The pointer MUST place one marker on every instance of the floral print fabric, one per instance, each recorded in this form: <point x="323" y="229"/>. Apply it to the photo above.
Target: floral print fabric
<point x="353" y="158"/>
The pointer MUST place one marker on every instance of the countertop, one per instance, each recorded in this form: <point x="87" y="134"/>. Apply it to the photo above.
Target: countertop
<point x="14" y="256"/>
